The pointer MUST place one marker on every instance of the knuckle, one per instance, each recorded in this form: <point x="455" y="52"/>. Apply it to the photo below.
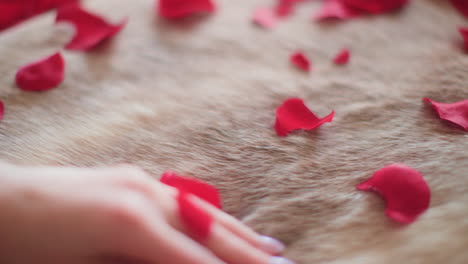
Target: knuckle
<point x="127" y="210"/>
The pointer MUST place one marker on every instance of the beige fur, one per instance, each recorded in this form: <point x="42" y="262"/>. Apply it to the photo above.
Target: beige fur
<point x="199" y="97"/>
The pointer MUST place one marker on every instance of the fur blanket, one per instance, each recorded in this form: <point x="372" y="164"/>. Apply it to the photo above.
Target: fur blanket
<point x="199" y="96"/>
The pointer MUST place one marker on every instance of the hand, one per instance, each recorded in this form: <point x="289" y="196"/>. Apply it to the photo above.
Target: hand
<point x="112" y="215"/>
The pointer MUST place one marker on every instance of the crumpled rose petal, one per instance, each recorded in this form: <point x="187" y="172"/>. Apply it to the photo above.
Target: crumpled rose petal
<point x="173" y="9"/>
<point x="335" y="9"/>
<point x="13" y="12"/>
<point x="2" y="109"/>
<point x="300" y="61"/>
<point x="285" y="7"/>
<point x="464" y="32"/>
<point x="342" y="57"/>
<point x="197" y="220"/>
<point x="461" y="5"/>
<point x="90" y="29"/>
<point x="404" y="189"/>
<point x="194" y="186"/>
<point x="376" y="6"/>
<point x="455" y="112"/>
<point x="42" y="75"/>
<point x="293" y="115"/>
<point x="265" y="17"/>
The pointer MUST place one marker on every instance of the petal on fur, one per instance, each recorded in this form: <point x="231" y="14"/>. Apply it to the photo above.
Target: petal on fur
<point x="42" y="75"/>
<point x="2" y="110"/>
<point x="455" y="112"/>
<point x="173" y="9"/>
<point x="293" y="115"/>
<point x="300" y="61"/>
<point x="197" y="220"/>
<point x="461" y="5"/>
<point x="376" y="6"/>
<point x="90" y="29"/>
<point x="342" y="57"/>
<point x="335" y="9"/>
<point x="15" y="11"/>
<point x="265" y="17"/>
<point x="464" y="32"/>
<point x="194" y="186"/>
<point x="404" y="189"/>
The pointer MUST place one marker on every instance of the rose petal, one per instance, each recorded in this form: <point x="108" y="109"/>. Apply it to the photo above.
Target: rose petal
<point x="335" y="9"/>
<point x="90" y="29"/>
<point x="16" y="11"/>
<point x="42" y="75"/>
<point x="455" y="112"/>
<point x="464" y="32"/>
<point x="300" y="61"/>
<point x="376" y="6"/>
<point x="2" y="109"/>
<point x="404" y="189"/>
<point x="342" y="57"/>
<point x="194" y="186"/>
<point x="197" y="220"/>
<point x="173" y="9"/>
<point x="293" y="115"/>
<point x="265" y="17"/>
<point x="461" y="5"/>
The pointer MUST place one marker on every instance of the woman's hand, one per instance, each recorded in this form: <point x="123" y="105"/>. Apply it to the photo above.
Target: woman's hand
<point x="112" y="215"/>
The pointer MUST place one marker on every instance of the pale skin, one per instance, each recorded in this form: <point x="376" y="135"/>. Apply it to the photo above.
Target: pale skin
<point x="117" y="215"/>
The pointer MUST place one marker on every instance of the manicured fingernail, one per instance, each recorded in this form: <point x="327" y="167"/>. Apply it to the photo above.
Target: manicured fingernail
<point x="271" y="245"/>
<point x="280" y="260"/>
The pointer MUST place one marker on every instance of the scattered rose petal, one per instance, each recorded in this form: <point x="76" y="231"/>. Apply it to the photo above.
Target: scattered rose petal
<point x="194" y="186"/>
<point x="90" y="29"/>
<point x="42" y="75"/>
<point x="335" y="9"/>
<point x="404" y="189"/>
<point x="342" y="57"/>
<point x="173" y="9"/>
<point x="265" y="17"/>
<point x="300" y="61"/>
<point x="293" y="115"/>
<point x="464" y="32"/>
<point x="376" y="6"/>
<point x="16" y="11"/>
<point x="461" y="5"/>
<point x="456" y="112"/>
<point x="2" y="109"/>
<point x="197" y="220"/>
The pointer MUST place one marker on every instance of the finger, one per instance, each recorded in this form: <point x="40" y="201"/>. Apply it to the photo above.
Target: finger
<point x="265" y="243"/>
<point x="167" y="245"/>
<point x="232" y="249"/>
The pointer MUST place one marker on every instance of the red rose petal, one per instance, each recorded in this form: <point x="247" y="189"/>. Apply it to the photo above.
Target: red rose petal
<point x="404" y="189"/>
<point x="301" y="61"/>
<point x="173" y="9"/>
<point x="464" y="32"/>
<point x="13" y="12"/>
<point x="265" y="17"/>
<point x="335" y="9"/>
<point x="196" y="219"/>
<point x="194" y="186"/>
<point x="376" y="6"/>
<point x="461" y="5"/>
<point x="42" y="75"/>
<point x="293" y="115"/>
<point x="90" y="29"/>
<point x="2" y="109"/>
<point x="342" y="57"/>
<point x="456" y="112"/>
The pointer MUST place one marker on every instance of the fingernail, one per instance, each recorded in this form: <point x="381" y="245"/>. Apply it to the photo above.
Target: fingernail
<point x="280" y="260"/>
<point x="271" y="245"/>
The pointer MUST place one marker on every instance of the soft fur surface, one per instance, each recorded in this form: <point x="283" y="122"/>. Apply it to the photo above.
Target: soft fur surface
<point x="199" y="97"/>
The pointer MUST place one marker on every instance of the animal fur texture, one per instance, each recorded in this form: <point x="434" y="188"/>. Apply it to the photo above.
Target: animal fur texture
<point x="199" y="96"/>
